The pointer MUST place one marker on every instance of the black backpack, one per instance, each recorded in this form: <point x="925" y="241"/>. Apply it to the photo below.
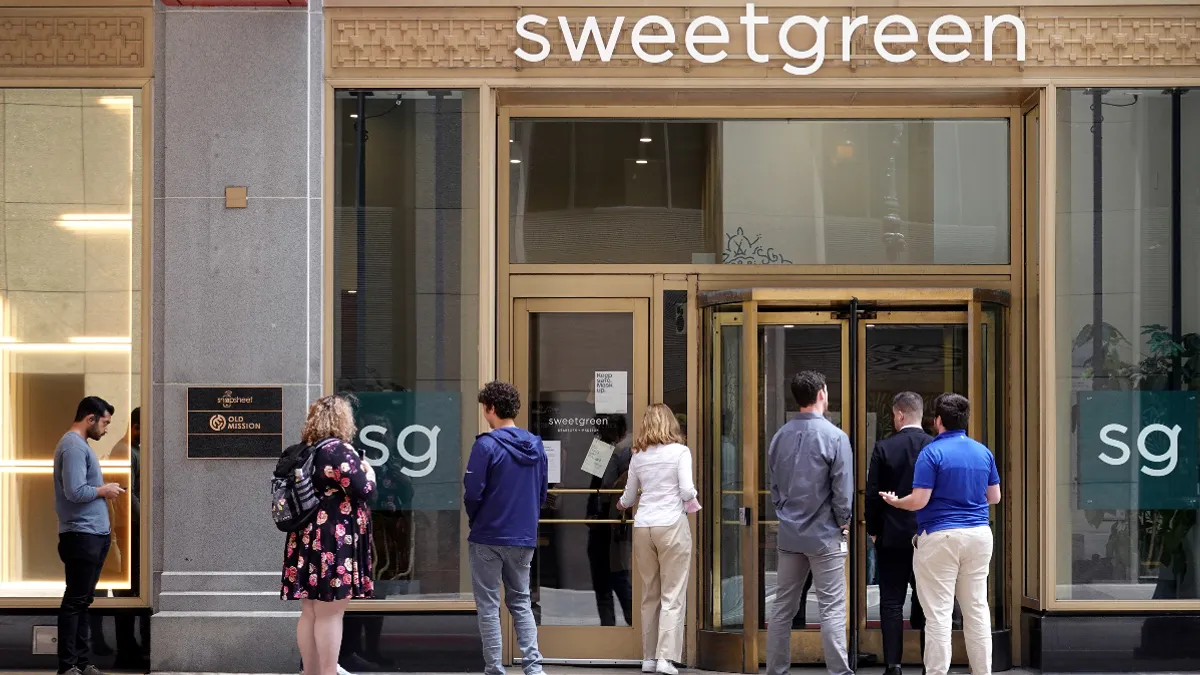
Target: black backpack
<point x="293" y="501"/>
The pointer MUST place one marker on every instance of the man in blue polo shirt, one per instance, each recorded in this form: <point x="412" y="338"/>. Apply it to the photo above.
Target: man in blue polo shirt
<point x="954" y="482"/>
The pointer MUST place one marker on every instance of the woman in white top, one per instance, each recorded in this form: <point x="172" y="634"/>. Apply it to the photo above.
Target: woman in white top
<point x="660" y="483"/>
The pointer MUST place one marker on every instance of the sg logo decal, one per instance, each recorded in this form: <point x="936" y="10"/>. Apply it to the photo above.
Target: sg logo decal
<point x="428" y="458"/>
<point x="1170" y="456"/>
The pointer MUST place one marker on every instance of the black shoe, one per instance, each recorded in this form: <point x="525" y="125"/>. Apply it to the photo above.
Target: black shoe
<point x="893" y="670"/>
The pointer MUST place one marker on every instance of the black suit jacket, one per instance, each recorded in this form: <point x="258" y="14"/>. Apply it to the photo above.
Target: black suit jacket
<point x="891" y="470"/>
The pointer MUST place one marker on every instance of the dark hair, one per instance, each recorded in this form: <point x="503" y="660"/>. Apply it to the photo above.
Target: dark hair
<point x="93" y="405"/>
<point x="909" y="403"/>
<point x="806" y="384"/>
<point x="502" y="398"/>
<point x="135" y="417"/>
<point x="954" y="409"/>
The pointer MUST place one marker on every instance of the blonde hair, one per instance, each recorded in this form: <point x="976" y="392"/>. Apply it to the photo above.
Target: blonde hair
<point x="659" y="427"/>
<point x="329" y="417"/>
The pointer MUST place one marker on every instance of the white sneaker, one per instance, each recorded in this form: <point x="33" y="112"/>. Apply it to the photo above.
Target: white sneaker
<point x="649" y="665"/>
<point x="342" y="671"/>
<point x="666" y="668"/>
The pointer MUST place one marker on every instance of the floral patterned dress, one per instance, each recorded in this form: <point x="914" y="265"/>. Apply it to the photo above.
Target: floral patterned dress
<point x="330" y="558"/>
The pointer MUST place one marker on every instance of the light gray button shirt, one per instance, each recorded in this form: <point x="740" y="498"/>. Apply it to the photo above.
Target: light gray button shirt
<point x="812" y="483"/>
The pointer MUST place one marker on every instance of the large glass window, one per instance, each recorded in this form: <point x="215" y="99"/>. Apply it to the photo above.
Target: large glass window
<point x="70" y="308"/>
<point x="1128" y="345"/>
<point x="812" y="192"/>
<point x="406" y="320"/>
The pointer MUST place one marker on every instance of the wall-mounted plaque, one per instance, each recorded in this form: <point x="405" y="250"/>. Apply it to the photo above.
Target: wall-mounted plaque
<point x="234" y="422"/>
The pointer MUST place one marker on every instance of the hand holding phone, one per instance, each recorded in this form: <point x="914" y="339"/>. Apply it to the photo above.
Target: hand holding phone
<point x="110" y="491"/>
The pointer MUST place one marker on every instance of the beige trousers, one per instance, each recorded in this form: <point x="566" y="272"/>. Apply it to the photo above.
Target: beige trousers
<point x="664" y="556"/>
<point x="950" y="564"/>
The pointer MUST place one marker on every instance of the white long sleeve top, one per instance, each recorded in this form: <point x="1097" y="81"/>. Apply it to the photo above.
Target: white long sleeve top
<point x="663" y="475"/>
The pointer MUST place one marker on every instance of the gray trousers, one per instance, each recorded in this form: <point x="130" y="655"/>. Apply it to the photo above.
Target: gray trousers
<point x="829" y="583"/>
<point x="492" y="566"/>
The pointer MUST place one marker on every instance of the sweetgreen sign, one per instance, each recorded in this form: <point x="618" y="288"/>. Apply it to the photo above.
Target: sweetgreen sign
<point x="1138" y="450"/>
<point x="413" y="439"/>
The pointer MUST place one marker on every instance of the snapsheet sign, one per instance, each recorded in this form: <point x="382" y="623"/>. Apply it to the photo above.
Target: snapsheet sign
<point x="413" y="439"/>
<point x="234" y="422"/>
<point x="1138" y="450"/>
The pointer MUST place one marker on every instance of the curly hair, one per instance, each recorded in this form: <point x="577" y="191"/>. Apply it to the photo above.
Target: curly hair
<point x="329" y="417"/>
<point x="502" y="398"/>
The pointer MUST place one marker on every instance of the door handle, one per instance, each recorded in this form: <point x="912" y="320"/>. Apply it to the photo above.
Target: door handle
<point x="744" y="515"/>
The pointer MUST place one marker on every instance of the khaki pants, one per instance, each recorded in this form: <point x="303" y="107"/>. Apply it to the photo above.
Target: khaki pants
<point x="950" y="564"/>
<point x="664" y="556"/>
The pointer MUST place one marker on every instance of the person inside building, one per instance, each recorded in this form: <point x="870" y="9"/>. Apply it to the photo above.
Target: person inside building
<point x="892" y="530"/>
<point x="660" y="484"/>
<point x="955" y="481"/>
<point x="84" y="530"/>
<point x="812" y="488"/>
<point x="504" y="488"/>
<point x="609" y="545"/>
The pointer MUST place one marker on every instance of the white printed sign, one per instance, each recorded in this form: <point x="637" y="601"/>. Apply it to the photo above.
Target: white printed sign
<point x="597" y="458"/>
<point x="612" y="390"/>
<point x="553" y="461"/>
<point x="654" y="39"/>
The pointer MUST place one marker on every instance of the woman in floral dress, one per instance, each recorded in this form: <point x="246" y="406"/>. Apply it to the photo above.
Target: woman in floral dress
<point x="328" y="562"/>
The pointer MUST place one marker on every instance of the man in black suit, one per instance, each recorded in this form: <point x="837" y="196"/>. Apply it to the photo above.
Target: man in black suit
<point x="892" y="529"/>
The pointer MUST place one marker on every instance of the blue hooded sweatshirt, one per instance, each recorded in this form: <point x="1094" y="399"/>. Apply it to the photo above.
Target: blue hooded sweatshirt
<point x="504" y="487"/>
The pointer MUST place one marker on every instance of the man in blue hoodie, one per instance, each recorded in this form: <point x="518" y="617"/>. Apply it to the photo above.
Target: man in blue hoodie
<point x="503" y="491"/>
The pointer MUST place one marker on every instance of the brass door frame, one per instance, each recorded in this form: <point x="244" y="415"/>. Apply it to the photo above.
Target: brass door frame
<point x="760" y="306"/>
<point x="584" y="644"/>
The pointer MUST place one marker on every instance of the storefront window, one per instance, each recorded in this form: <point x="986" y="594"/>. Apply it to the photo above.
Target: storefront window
<point x="70" y="308"/>
<point x="406" y="326"/>
<point x="812" y="192"/>
<point x="1128" y="345"/>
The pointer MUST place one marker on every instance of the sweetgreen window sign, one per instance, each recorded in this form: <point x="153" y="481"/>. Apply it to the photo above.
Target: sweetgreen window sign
<point x="1138" y="450"/>
<point x="413" y="440"/>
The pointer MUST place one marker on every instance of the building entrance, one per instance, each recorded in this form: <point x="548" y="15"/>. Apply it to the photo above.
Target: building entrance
<point x="871" y="344"/>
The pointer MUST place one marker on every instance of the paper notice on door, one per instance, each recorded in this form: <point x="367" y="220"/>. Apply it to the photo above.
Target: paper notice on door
<point x="612" y="390"/>
<point x="553" y="461"/>
<point x="597" y="458"/>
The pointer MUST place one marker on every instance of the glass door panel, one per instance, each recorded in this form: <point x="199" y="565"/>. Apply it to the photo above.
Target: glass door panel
<point x="791" y="342"/>
<point x="724" y="639"/>
<point x="922" y="352"/>
<point x="583" y="580"/>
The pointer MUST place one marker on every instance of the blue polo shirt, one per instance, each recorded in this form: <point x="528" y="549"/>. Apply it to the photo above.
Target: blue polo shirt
<point x="959" y="471"/>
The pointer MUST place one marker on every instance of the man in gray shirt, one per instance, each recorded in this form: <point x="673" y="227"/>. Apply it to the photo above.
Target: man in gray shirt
<point x="83" y="529"/>
<point x="812" y="488"/>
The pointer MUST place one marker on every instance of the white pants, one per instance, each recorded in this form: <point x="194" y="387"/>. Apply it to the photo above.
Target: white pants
<point x="950" y="564"/>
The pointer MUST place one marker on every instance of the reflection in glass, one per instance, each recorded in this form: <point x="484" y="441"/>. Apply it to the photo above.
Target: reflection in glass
<point x="582" y="571"/>
<point x="727" y="484"/>
<point x="70" y="307"/>
<point x="787" y="350"/>
<point x="759" y="191"/>
<point x="405" y="332"/>
<point x="1128" y="332"/>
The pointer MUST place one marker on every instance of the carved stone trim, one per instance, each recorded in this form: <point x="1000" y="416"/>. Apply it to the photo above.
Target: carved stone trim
<point x="485" y="38"/>
<point x="75" y="41"/>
